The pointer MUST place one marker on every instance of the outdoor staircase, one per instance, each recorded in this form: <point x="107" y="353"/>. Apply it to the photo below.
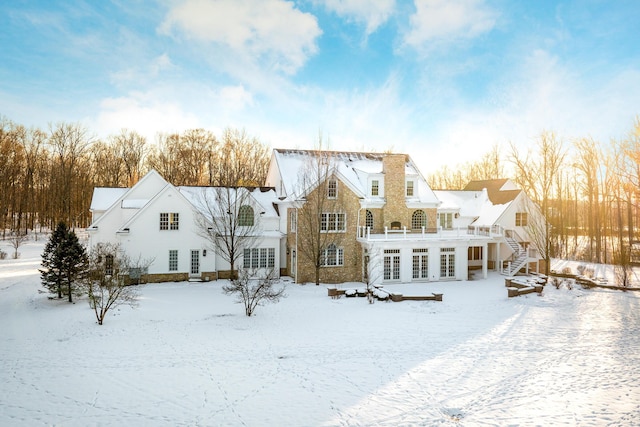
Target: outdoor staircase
<point x="518" y="260"/>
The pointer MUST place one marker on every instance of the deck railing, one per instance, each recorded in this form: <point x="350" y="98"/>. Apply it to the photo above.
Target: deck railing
<point x="365" y="233"/>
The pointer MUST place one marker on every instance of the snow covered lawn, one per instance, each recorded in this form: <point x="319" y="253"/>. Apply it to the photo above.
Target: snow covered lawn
<point x="189" y="356"/>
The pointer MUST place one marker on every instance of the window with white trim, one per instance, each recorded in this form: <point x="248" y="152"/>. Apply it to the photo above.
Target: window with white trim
<point x="173" y="260"/>
<point x="258" y="258"/>
<point x="421" y="263"/>
<point x="447" y="262"/>
<point x="391" y="264"/>
<point x="446" y="220"/>
<point x="418" y="220"/>
<point x="375" y="187"/>
<point x="368" y="221"/>
<point x="521" y="219"/>
<point x="293" y="220"/>
<point x="333" y="256"/>
<point x="245" y="216"/>
<point x="332" y="188"/>
<point x="169" y="221"/>
<point x="331" y="222"/>
<point x="409" y="188"/>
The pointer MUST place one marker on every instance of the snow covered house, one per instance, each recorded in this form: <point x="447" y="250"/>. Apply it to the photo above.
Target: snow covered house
<point x="390" y="226"/>
<point x="334" y="217"/>
<point x="158" y="221"/>
<point x="499" y="209"/>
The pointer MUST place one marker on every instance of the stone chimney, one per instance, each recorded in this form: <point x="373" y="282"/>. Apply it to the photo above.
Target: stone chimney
<point x="393" y="167"/>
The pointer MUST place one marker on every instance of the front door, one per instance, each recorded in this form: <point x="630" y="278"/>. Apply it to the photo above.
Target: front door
<point x="195" y="263"/>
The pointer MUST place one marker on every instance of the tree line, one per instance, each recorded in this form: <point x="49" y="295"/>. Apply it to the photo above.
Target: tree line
<point x="48" y="176"/>
<point x="589" y="191"/>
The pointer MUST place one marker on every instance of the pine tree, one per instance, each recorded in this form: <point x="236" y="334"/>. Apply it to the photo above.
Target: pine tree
<point x="51" y="273"/>
<point x="64" y="260"/>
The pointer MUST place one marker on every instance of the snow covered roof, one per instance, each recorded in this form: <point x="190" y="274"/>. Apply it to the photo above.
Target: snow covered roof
<point x="500" y="191"/>
<point x="104" y="197"/>
<point x="472" y="204"/>
<point x="354" y="168"/>
<point x="263" y="197"/>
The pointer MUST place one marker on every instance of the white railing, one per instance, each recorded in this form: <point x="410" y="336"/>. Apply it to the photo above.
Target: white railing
<point x="365" y="233"/>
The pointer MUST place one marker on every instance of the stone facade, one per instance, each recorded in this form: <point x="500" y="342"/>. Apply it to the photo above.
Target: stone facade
<point x="346" y="202"/>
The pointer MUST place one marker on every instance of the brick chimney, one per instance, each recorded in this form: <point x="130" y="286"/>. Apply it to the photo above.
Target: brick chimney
<point x="393" y="167"/>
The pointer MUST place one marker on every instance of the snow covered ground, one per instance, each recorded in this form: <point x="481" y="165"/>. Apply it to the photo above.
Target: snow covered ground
<point x="188" y="356"/>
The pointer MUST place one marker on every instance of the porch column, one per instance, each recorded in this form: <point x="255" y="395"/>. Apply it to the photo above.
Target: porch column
<point x="485" y="257"/>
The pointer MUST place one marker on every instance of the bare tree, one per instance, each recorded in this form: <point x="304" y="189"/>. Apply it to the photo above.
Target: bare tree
<point x="321" y="219"/>
<point x="131" y="149"/>
<point x="240" y="160"/>
<point x="106" y="278"/>
<point x="17" y="239"/>
<point x="587" y="161"/>
<point x="227" y="218"/>
<point x="253" y="290"/>
<point x="69" y="144"/>
<point x="536" y="175"/>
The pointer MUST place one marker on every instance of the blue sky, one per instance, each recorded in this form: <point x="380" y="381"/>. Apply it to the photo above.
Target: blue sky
<point x="441" y="80"/>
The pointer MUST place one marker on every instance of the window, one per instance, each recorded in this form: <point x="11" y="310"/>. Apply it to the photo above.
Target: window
<point x="271" y="258"/>
<point x="418" y="220"/>
<point x="421" y="263"/>
<point x="521" y="219"/>
<point x="332" y="222"/>
<point x="259" y="258"/>
<point x="169" y="221"/>
<point x="368" y="221"/>
<point x="332" y="189"/>
<point x="446" y="220"/>
<point x="254" y="257"/>
<point x="375" y="187"/>
<point x="245" y="216"/>
<point x="293" y="220"/>
<point x="333" y="256"/>
<point x="391" y="267"/>
<point x="173" y="260"/>
<point x="263" y="257"/>
<point x="475" y="253"/>
<point x="447" y="263"/>
<point x="409" y="188"/>
<point x="108" y="265"/>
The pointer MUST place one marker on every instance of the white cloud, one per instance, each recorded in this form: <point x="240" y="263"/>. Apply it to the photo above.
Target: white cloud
<point x="438" y="21"/>
<point x="236" y="97"/>
<point x="543" y="93"/>
<point x="144" y="114"/>
<point x="273" y="30"/>
<point x="371" y="14"/>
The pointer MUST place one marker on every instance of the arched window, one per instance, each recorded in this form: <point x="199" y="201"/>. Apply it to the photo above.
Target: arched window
<point x="418" y="220"/>
<point x="368" y="222"/>
<point x="245" y="216"/>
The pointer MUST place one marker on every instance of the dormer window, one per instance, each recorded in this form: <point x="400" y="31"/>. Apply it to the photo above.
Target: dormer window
<point x="409" y="188"/>
<point x="332" y="189"/>
<point x="375" y="187"/>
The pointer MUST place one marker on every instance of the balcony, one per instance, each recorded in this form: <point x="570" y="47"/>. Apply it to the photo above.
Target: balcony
<point x="468" y="232"/>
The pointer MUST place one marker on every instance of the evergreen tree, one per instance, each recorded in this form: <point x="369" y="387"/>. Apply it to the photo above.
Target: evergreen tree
<point x="64" y="260"/>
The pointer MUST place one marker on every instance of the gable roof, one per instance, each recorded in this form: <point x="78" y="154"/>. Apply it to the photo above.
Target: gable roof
<point x="130" y="198"/>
